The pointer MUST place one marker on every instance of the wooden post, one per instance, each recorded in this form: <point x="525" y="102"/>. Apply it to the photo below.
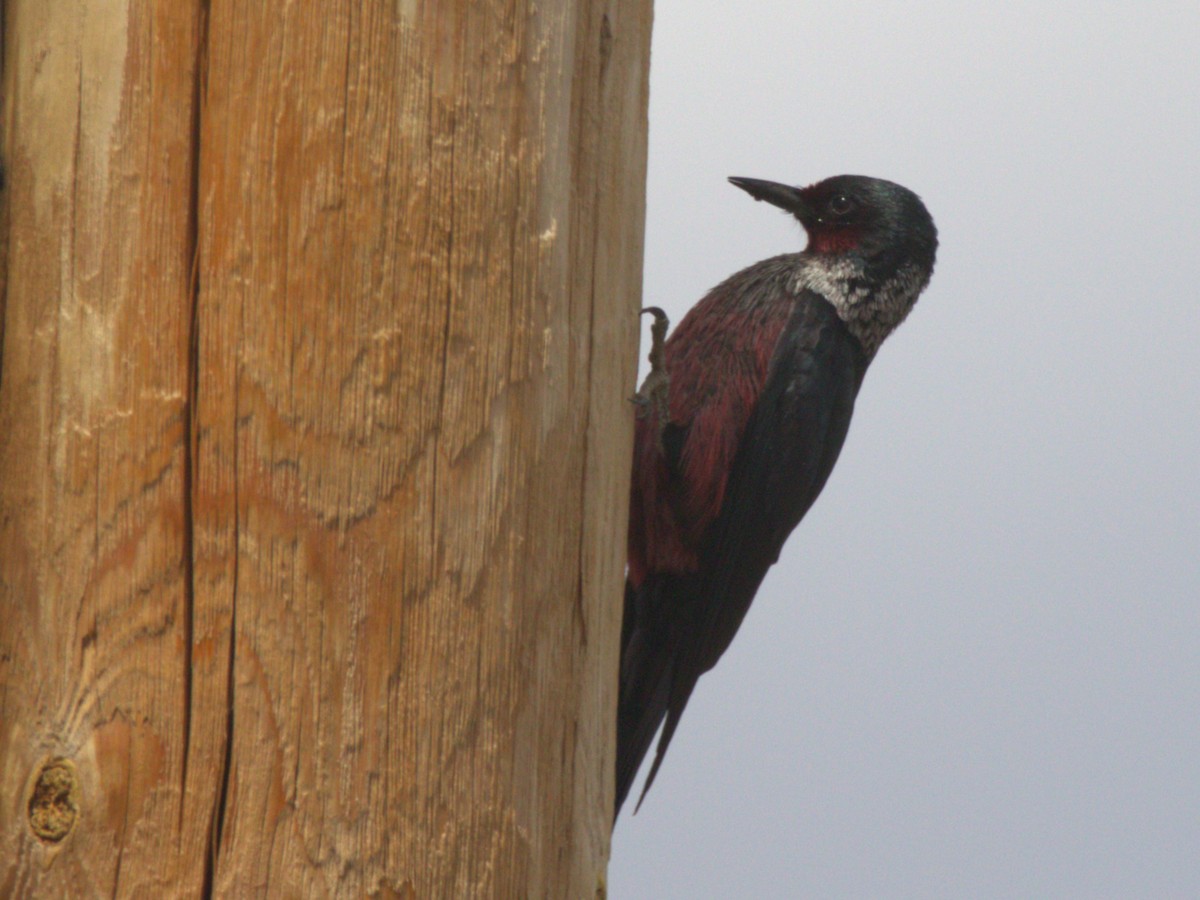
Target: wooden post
<point x="318" y="321"/>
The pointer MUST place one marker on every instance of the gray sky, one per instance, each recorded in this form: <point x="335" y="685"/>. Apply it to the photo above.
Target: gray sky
<point x="976" y="669"/>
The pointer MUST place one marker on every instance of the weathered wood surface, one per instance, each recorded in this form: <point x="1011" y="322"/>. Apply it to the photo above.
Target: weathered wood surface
<point x="317" y="329"/>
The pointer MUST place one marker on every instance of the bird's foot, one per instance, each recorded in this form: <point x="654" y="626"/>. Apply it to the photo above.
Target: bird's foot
<point x="654" y="394"/>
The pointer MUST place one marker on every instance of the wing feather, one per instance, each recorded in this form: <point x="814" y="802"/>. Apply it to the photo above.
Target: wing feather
<point x="784" y="447"/>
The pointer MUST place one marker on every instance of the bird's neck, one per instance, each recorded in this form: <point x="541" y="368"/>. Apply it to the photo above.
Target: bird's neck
<point x="870" y="306"/>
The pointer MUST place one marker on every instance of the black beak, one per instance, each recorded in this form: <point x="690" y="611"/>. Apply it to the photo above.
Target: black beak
<point x="782" y="195"/>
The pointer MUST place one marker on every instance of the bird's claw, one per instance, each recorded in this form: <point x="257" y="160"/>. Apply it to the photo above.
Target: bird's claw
<point x="654" y="394"/>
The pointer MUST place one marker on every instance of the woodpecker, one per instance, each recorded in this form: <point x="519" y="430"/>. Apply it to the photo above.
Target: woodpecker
<point x="760" y="380"/>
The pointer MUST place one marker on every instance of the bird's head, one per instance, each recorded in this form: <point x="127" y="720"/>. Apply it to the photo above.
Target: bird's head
<point x="882" y="224"/>
<point x="871" y="246"/>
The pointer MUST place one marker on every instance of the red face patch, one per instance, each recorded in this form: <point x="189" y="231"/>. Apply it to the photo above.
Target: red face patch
<point x="824" y="239"/>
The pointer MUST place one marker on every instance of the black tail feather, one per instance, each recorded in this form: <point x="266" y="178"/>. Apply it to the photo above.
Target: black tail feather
<point x="645" y="692"/>
<point x="675" y="707"/>
<point x="652" y="689"/>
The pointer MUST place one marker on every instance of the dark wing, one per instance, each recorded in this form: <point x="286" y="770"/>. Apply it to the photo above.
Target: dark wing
<point x="788" y="449"/>
<point x="718" y="359"/>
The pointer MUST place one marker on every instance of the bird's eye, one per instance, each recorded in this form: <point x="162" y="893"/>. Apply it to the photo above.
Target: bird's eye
<point x="841" y="205"/>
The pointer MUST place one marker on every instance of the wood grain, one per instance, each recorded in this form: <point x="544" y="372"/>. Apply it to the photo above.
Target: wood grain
<point x="94" y="571"/>
<point x="314" y="449"/>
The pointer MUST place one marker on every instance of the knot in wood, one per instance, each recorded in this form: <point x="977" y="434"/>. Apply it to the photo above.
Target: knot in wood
<point x="54" y="803"/>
